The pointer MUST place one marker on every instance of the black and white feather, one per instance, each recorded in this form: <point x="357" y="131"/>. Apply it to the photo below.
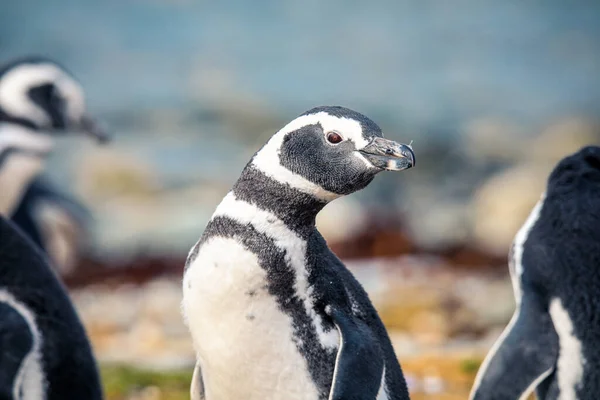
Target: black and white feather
<point x="552" y="343"/>
<point x="39" y="99"/>
<point x="273" y="313"/>
<point x="45" y="352"/>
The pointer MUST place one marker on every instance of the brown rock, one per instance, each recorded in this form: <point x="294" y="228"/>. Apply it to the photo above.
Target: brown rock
<point x="503" y="203"/>
<point x="493" y="139"/>
<point x="562" y="138"/>
<point x="429" y="327"/>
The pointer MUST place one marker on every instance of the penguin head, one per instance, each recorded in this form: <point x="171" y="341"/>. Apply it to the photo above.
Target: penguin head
<point x="331" y="151"/>
<point x="42" y="95"/>
<point x="577" y="171"/>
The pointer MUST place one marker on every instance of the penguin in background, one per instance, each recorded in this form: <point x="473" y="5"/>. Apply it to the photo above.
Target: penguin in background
<point x="44" y="350"/>
<point x="273" y="313"/>
<point x="39" y="99"/>
<point x="552" y="343"/>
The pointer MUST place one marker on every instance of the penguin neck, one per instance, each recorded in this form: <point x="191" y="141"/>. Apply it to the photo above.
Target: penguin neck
<point x="298" y="210"/>
<point x="22" y="153"/>
<point x="24" y="123"/>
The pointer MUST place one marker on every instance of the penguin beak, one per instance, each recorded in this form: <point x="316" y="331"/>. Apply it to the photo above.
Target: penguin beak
<point x="93" y="128"/>
<point x="388" y="155"/>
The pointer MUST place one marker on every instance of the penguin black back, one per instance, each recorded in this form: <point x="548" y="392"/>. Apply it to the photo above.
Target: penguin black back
<point x="553" y="341"/>
<point x="565" y="258"/>
<point x="565" y="241"/>
<point x="37" y="308"/>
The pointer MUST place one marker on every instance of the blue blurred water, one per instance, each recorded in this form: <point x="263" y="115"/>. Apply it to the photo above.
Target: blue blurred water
<point x="192" y="88"/>
<point x="417" y="63"/>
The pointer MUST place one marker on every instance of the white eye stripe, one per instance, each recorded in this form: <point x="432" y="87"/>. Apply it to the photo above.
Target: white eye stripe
<point x="72" y="92"/>
<point x="12" y="135"/>
<point x="16" y="83"/>
<point x="348" y="129"/>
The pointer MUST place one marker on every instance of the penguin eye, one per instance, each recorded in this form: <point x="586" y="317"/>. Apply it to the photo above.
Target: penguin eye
<point x="334" y="137"/>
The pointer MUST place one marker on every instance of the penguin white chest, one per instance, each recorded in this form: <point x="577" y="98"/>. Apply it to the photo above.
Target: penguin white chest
<point x="17" y="172"/>
<point x="244" y="342"/>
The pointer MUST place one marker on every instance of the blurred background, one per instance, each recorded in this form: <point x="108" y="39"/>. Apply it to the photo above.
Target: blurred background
<point x="491" y="93"/>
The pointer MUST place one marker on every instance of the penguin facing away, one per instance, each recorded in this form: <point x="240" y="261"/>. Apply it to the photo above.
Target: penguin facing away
<point x="273" y="313"/>
<point x="44" y="351"/>
<point x="39" y="99"/>
<point x="552" y="343"/>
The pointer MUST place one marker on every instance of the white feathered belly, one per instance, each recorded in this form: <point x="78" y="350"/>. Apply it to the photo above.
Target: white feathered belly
<point x="243" y="340"/>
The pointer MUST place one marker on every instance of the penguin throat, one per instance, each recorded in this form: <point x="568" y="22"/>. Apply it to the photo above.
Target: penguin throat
<point x="18" y="121"/>
<point x="297" y="209"/>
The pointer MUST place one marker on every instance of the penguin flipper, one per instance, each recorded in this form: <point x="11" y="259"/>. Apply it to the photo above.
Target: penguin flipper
<point x="359" y="365"/>
<point x="548" y="388"/>
<point x="16" y="342"/>
<point x="197" y="387"/>
<point x="523" y="356"/>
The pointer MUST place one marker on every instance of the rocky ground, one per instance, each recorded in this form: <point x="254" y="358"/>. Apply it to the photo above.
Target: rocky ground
<point x="441" y="320"/>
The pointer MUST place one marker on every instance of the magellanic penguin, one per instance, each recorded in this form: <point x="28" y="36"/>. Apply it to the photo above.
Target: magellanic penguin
<point x="273" y="313"/>
<point x="44" y="350"/>
<point x="38" y="100"/>
<point x="552" y="343"/>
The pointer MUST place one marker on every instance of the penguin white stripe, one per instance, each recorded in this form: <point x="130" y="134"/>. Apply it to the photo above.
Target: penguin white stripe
<point x="570" y="358"/>
<point x="337" y="361"/>
<point x="16" y="82"/>
<point x="515" y="276"/>
<point x="490" y="356"/>
<point x="267" y="159"/>
<point x="18" y="169"/>
<point x="519" y="244"/>
<point x="285" y="239"/>
<point x="14" y="87"/>
<point x="30" y="379"/>
<point x="382" y="394"/>
<point x="350" y="129"/>
<point x="12" y="135"/>
<point x="535" y="384"/>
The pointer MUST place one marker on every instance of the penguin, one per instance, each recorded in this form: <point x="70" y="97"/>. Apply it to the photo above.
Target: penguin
<point x="272" y="312"/>
<point x="552" y="343"/>
<point x="45" y="353"/>
<point x="40" y="99"/>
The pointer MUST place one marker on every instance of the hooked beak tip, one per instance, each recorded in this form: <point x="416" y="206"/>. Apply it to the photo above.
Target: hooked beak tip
<point x="389" y="155"/>
<point x="407" y="151"/>
<point x="102" y="138"/>
<point x="94" y="129"/>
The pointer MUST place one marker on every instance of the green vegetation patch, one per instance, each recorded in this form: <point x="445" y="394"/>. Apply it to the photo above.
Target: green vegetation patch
<point x="126" y="383"/>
